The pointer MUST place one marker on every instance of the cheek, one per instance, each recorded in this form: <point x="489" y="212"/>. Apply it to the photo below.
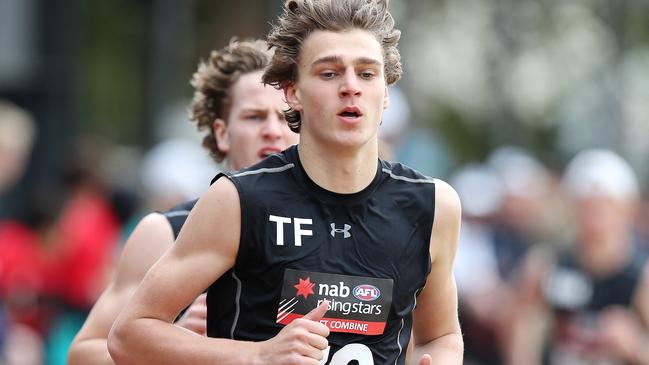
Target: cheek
<point x="291" y="137"/>
<point x="244" y="132"/>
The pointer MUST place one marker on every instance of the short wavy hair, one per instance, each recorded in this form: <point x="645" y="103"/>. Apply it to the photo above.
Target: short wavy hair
<point x="213" y="81"/>
<point x="301" y="17"/>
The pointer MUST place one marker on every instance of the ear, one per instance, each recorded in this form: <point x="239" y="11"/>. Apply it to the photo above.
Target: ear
<point x="386" y="99"/>
<point x="292" y="96"/>
<point x="221" y="135"/>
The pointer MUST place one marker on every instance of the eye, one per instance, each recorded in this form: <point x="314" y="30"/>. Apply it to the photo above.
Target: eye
<point x="253" y="117"/>
<point x="328" y="75"/>
<point x="366" y="75"/>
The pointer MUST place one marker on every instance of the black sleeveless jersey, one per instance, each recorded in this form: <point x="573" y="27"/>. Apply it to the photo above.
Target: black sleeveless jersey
<point x="577" y="299"/>
<point x="367" y="253"/>
<point x="178" y="215"/>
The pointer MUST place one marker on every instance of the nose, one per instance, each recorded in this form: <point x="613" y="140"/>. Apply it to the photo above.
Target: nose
<point x="273" y="127"/>
<point x="349" y="84"/>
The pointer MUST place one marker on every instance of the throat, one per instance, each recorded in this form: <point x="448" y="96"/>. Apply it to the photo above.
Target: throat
<point x="339" y="173"/>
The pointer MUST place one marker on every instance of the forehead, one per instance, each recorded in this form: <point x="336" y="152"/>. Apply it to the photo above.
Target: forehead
<point x="250" y="92"/>
<point x="347" y="46"/>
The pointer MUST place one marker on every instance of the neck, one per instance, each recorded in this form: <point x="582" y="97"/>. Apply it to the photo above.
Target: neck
<point x="340" y="170"/>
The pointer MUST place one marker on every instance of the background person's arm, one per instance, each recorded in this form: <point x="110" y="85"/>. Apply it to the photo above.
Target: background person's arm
<point x="436" y="328"/>
<point x="146" y="244"/>
<point x="149" y="240"/>
<point x="206" y="248"/>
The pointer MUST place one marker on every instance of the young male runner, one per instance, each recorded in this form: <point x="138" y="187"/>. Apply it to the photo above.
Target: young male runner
<point x="325" y="224"/>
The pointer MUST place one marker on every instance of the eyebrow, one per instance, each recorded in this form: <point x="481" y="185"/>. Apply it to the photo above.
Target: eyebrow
<point x="252" y="110"/>
<point x="338" y="59"/>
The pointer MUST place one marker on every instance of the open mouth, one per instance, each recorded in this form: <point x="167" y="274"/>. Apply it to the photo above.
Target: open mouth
<point x="265" y="152"/>
<point x="350" y="112"/>
<point x="349" y="115"/>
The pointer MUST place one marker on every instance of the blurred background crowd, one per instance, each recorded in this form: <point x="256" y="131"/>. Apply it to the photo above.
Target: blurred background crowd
<point x="536" y="111"/>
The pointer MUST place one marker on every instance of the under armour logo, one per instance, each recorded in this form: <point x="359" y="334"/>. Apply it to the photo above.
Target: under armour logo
<point x="344" y="231"/>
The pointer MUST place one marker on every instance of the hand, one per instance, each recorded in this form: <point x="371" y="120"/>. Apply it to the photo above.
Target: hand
<point x="195" y="317"/>
<point x="620" y="331"/>
<point x="300" y="342"/>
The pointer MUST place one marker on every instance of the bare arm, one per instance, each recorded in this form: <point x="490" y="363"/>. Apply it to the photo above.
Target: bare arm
<point x="149" y="240"/>
<point x="436" y="328"/>
<point x="625" y="331"/>
<point x="206" y="248"/>
<point x="529" y="320"/>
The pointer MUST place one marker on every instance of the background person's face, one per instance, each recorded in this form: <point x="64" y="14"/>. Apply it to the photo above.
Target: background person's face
<point x="256" y="126"/>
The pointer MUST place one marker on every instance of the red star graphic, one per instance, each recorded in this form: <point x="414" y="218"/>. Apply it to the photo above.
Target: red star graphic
<point x="304" y="287"/>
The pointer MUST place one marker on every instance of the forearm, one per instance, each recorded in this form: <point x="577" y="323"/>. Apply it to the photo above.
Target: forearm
<point x="90" y="352"/>
<point x="640" y="354"/>
<point x="150" y="341"/>
<point x="447" y="350"/>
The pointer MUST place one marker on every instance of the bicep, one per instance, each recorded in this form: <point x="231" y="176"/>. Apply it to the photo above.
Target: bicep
<point x="436" y="313"/>
<point x="206" y="248"/>
<point x="146" y="244"/>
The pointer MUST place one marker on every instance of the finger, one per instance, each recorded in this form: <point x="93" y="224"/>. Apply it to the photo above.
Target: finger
<point x="198" y="312"/>
<point x="312" y="352"/>
<point x="426" y="360"/>
<point x="314" y="327"/>
<point x="319" y="311"/>
<point x="317" y="341"/>
<point x="202" y="299"/>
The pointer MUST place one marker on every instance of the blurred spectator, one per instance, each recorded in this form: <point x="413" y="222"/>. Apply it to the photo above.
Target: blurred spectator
<point x="17" y="134"/>
<point x="87" y="233"/>
<point x="24" y="265"/>
<point x="589" y="304"/>
<point x="520" y="219"/>
<point x="503" y="206"/>
<point x="174" y="171"/>
<point x="481" y="289"/>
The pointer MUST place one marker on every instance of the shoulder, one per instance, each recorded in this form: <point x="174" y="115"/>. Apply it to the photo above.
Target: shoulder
<point x="400" y="172"/>
<point x="448" y="206"/>
<point x="446" y="224"/>
<point x="149" y="240"/>
<point x="275" y="163"/>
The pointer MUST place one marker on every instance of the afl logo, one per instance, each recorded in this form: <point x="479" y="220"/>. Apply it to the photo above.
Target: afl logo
<point x="366" y="292"/>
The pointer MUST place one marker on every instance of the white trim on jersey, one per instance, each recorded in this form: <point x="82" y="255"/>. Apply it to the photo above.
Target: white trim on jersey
<point x="237" y="305"/>
<point x="399" y="342"/>
<point x="427" y="180"/>
<point x="264" y="170"/>
<point x="176" y="213"/>
<point x="414" y="297"/>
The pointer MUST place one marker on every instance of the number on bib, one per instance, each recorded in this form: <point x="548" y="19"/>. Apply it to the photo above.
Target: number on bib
<point x="350" y="352"/>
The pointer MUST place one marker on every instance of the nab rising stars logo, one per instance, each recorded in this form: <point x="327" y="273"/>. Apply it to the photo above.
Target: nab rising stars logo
<point x="344" y="231"/>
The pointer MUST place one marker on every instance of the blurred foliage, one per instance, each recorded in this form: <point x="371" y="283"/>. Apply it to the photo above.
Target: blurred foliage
<point x="112" y="48"/>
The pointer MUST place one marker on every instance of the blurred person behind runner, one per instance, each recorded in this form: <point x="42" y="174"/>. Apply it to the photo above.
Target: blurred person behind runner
<point x="244" y="123"/>
<point x="590" y="303"/>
